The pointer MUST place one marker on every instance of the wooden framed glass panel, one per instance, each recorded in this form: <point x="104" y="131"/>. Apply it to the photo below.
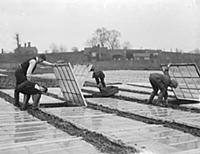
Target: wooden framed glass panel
<point x="188" y="78"/>
<point x="82" y="73"/>
<point x="68" y="84"/>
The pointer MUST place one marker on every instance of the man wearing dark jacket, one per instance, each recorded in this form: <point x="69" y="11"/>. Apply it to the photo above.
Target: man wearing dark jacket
<point x="23" y="74"/>
<point x="29" y="88"/>
<point x="161" y="82"/>
<point x="99" y="77"/>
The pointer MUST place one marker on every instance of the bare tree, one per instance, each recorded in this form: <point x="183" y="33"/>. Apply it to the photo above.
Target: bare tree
<point x="54" y="48"/>
<point x="126" y="45"/>
<point x="63" y="48"/>
<point x="105" y="38"/>
<point x="92" y="42"/>
<point x="74" y="49"/>
<point x="113" y="39"/>
<point x="196" y="50"/>
<point x="102" y="35"/>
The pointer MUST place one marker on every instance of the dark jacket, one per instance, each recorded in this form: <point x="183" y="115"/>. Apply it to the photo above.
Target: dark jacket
<point x="98" y="74"/>
<point x="161" y="80"/>
<point x="28" y="87"/>
<point x="25" y="65"/>
<point x="21" y="71"/>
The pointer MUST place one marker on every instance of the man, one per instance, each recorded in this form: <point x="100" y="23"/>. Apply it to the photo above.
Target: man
<point x="161" y="82"/>
<point x="29" y="88"/>
<point x="23" y="74"/>
<point x="99" y="77"/>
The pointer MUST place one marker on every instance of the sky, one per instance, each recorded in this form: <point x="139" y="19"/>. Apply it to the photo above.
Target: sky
<point x="149" y="24"/>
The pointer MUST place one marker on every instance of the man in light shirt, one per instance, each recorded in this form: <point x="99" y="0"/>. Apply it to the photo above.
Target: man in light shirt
<point x="23" y="74"/>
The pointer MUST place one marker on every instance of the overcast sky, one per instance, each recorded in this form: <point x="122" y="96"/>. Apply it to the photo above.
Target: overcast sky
<point x="155" y="24"/>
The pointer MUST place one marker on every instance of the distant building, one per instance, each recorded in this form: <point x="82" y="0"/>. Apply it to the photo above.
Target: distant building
<point x="117" y="54"/>
<point x="142" y="54"/>
<point x="27" y="49"/>
<point x="97" y="53"/>
<point x="102" y="54"/>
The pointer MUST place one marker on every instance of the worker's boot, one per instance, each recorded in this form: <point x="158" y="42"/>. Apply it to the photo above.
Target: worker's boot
<point x="36" y="99"/>
<point x="16" y="95"/>
<point x="25" y="101"/>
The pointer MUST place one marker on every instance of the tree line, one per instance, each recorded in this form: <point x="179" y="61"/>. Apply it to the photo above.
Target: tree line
<point x="107" y="38"/>
<point x="101" y="37"/>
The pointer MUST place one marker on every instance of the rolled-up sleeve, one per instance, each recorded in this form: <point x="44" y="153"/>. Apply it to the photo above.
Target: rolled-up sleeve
<point x="30" y="68"/>
<point x="47" y="63"/>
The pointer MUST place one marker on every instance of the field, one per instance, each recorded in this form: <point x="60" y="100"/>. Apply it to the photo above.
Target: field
<point x="121" y="124"/>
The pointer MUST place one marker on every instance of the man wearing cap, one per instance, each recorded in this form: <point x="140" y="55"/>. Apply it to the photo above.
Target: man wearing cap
<point x="161" y="82"/>
<point x="23" y="74"/>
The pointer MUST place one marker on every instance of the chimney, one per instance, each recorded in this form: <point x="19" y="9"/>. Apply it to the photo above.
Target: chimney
<point x="25" y="45"/>
<point x="29" y="44"/>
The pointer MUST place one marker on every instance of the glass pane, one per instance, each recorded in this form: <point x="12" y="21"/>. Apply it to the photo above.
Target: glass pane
<point x="184" y="71"/>
<point x="66" y="73"/>
<point x="68" y="84"/>
<point x="188" y="81"/>
<point x="71" y="87"/>
<point x="192" y="71"/>
<point x="56" y="72"/>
